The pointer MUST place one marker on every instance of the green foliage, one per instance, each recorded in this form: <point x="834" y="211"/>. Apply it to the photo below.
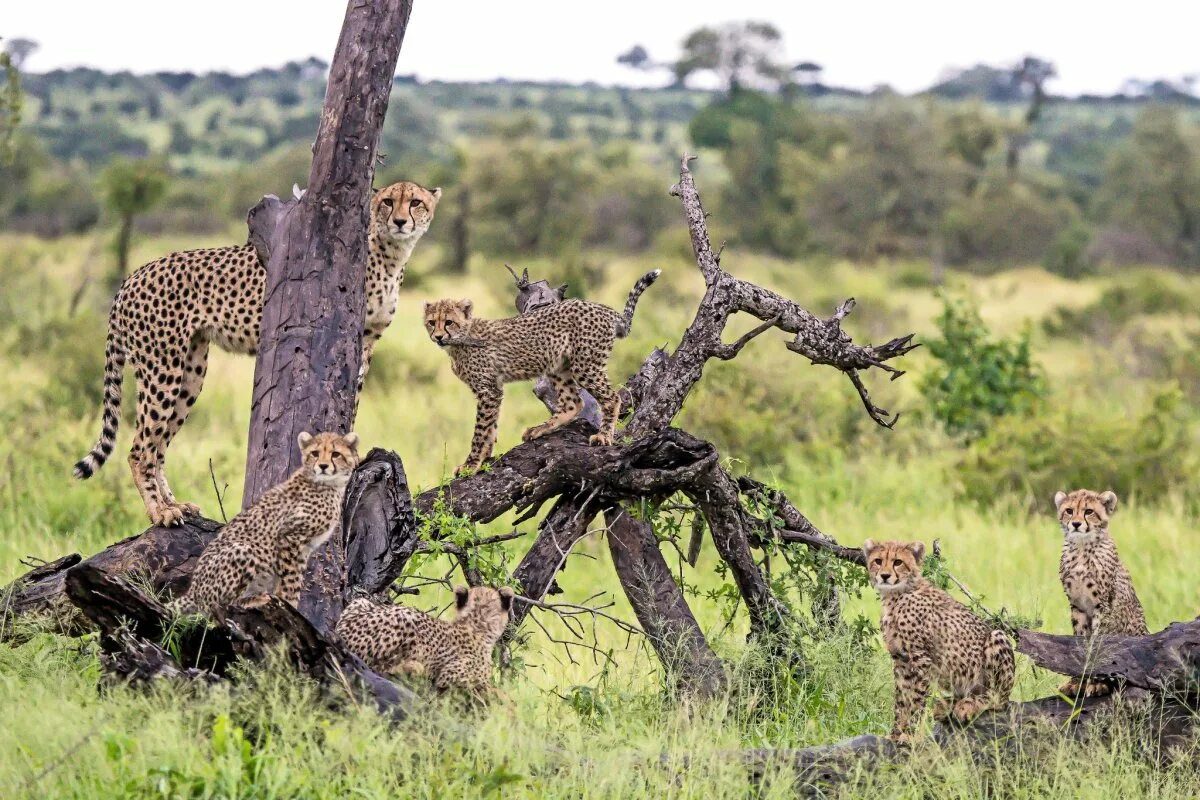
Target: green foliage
<point x="1005" y="222"/>
<point x="10" y="106"/>
<point x="1068" y="256"/>
<point x="977" y="378"/>
<point x="131" y="187"/>
<point x="1148" y="452"/>
<point x="1143" y="294"/>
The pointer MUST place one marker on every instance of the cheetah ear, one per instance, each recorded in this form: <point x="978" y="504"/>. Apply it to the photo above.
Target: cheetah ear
<point x="437" y="195"/>
<point x="506" y="597"/>
<point x="466" y="306"/>
<point x="918" y="550"/>
<point x="351" y="439"/>
<point x="868" y="546"/>
<point x="304" y="439"/>
<point x="461" y="593"/>
<point x="1110" y="502"/>
<point x="562" y="292"/>
<point x="428" y="305"/>
<point x="1059" y="497"/>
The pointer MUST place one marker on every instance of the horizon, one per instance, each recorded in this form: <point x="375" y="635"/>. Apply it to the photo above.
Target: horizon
<point x="853" y="56"/>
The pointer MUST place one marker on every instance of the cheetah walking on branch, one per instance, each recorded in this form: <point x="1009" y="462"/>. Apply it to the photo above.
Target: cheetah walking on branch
<point x="167" y="314"/>
<point x="568" y="342"/>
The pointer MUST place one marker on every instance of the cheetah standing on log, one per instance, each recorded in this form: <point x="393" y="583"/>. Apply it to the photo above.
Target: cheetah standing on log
<point x="455" y="654"/>
<point x="569" y="342"/>
<point x="1097" y="584"/>
<point x="263" y="550"/>
<point x="934" y="639"/>
<point x="169" y="311"/>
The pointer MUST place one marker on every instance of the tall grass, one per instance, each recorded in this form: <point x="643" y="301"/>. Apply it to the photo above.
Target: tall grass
<point x="568" y="724"/>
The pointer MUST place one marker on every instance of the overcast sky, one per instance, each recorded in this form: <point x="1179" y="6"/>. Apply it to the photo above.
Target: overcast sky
<point x="861" y="44"/>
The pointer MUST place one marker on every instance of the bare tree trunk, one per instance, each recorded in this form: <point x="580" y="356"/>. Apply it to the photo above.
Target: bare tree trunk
<point x="121" y="268"/>
<point x="311" y="342"/>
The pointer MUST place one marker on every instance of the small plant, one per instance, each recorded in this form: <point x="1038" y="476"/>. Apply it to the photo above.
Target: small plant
<point x="977" y="378"/>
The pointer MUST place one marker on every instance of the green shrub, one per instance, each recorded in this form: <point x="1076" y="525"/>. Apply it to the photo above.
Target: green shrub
<point x="1148" y="453"/>
<point x="977" y="378"/>
<point x="1068" y="255"/>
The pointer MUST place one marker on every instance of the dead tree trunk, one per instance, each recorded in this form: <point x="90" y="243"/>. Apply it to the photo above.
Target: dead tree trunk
<point x="310" y="345"/>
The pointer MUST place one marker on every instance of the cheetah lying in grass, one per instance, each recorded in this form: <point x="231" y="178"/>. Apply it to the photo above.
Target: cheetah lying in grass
<point x="454" y="655"/>
<point x="568" y="342"/>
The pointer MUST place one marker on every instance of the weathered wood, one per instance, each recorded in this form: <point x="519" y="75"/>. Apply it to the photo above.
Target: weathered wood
<point x="310" y="347"/>
<point x="132" y="623"/>
<point x="162" y="557"/>
<point x="661" y="608"/>
<point x="560" y="531"/>
<point x="381" y="528"/>
<point x="1167" y="661"/>
<point x="311" y="340"/>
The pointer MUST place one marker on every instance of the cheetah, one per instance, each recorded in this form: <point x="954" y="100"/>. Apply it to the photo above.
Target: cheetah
<point x="454" y="655"/>
<point x="1097" y="584"/>
<point x="168" y="312"/>
<point x="934" y="639"/>
<point x="568" y="342"/>
<point x="263" y="550"/>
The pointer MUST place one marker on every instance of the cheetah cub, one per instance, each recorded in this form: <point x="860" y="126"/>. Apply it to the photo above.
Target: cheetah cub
<point x="568" y="342"/>
<point x="168" y="312"/>
<point x="1097" y="585"/>
<point x="934" y="639"/>
<point x="262" y="551"/>
<point x="455" y="654"/>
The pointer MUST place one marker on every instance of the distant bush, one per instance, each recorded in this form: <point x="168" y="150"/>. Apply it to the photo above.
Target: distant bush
<point x="977" y="378"/>
<point x="1147" y="293"/>
<point x="1069" y="256"/>
<point x="1005" y="223"/>
<point x="1149" y="453"/>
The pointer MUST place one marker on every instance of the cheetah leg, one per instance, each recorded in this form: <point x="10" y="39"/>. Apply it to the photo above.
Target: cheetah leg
<point x="1081" y="625"/>
<point x="370" y="339"/>
<point x="155" y="407"/>
<point x="912" y="677"/>
<point x="258" y="591"/>
<point x="195" y="366"/>
<point x="487" y="414"/>
<point x="414" y="668"/>
<point x="1000" y="668"/>
<point x="291" y="575"/>
<point x="591" y="376"/>
<point x="569" y="402"/>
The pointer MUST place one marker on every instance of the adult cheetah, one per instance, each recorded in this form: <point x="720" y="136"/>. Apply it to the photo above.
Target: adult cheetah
<point x="168" y="312"/>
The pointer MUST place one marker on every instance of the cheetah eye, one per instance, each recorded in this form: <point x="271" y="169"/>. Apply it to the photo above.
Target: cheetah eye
<point x="1089" y="513"/>
<point x="897" y="563"/>
<point x="878" y="562"/>
<point x="387" y="202"/>
<point x="450" y="323"/>
<point x="338" y="456"/>
<point x="1068" y="511"/>
<point x="415" y="204"/>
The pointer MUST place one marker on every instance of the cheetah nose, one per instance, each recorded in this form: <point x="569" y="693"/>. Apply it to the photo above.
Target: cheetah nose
<point x="323" y="467"/>
<point x="400" y="223"/>
<point x="1076" y="525"/>
<point x="884" y="576"/>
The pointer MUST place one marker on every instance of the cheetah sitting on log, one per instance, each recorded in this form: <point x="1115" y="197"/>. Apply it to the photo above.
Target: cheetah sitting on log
<point x="454" y="655"/>
<point x="168" y="312"/>
<point x="1097" y="584"/>
<point x="934" y="639"/>
<point x="263" y="550"/>
<point x="568" y="342"/>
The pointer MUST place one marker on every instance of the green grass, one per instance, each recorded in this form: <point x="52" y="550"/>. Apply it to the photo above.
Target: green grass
<point x="779" y="418"/>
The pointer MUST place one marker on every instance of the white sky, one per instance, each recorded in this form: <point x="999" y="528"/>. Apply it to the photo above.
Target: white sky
<point x="1096" y="45"/>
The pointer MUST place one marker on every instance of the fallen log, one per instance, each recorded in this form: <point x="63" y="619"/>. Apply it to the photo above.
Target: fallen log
<point x="133" y="623"/>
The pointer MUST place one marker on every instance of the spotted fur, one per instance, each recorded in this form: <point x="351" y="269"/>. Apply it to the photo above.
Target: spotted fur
<point x="454" y="654"/>
<point x="1098" y="586"/>
<point x="168" y="312"/>
<point x="934" y="641"/>
<point x="568" y="342"/>
<point x="262" y="551"/>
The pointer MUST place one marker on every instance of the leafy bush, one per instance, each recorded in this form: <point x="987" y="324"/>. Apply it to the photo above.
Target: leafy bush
<point x="1150" y="453"/>
<point x="1069" y="256"/>
<point x="1006" y="223"/>
<point x="977" y="378"/>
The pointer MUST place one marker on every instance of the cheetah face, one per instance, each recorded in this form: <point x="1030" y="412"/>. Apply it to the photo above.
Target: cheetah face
<point x="893" y="566"/>
<point x="1084" y="513"/>
<point x="404" y="210"/>
<point x="485" y="608"/>
<point x="446" y="320"/>
<point x="330" y="456"/>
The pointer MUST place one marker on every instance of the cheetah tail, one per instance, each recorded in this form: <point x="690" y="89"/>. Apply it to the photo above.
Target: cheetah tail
<point x="625" y="323"/>
<point x="114" y="363"/>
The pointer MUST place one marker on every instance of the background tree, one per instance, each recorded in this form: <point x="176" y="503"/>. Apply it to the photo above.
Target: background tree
<point x="739" y="54"/>
<point x="1029" y="78"/>
<point x="130" y="188"/>
<point x="19" y="50"/>
<point x="10" y="101"/>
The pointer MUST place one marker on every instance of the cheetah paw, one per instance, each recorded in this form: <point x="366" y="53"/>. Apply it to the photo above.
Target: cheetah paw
<point x="941" y="709"/>
<point x="1097" y="689"/>
<point x="901" y="737"/>
<point x="601" y="439"/>
<point x="465" y="470"/>
<point x="1070" y="688"/>
<point x="166" y="515"/>
<point x="536" y="432"/>
<point x="256" y="601"/>
<point x="967" y="709"/>
<point x="190" y="509"/>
